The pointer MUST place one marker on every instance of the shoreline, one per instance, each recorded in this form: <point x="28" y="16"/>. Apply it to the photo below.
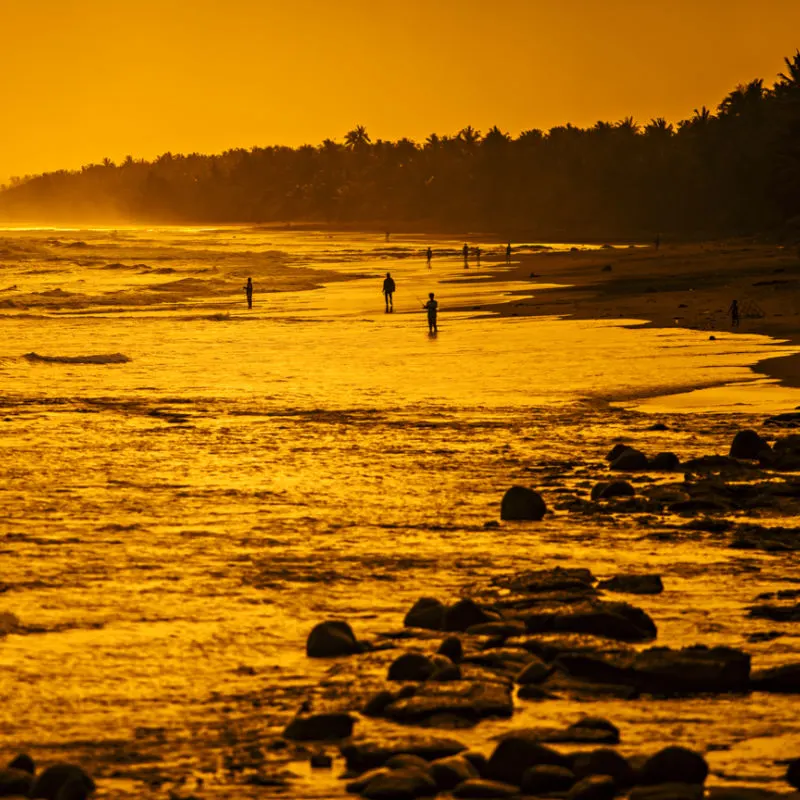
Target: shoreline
<point x="684" y="285"/>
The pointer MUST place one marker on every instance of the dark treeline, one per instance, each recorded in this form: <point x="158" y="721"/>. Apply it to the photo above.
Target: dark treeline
<point x="735" y="171"/>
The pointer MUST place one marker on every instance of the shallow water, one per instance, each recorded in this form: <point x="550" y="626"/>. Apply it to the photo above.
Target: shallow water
<point x="173" y="525"/>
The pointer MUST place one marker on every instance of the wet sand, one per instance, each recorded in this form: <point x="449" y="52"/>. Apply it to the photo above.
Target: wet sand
<point x="689" y="286"/>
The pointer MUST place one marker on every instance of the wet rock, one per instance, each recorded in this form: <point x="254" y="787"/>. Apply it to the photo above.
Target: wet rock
<point x="668" y="791"/>
<point x="403" y="760"/>
<point x="633" y="584"/>
<point x="788" y="420"/>
<point x="360" y="783"/>
<point x="521" y="503"/>
<point x="451" y="648"/>
<point x="23" y="762"/>
<point x="376" y="704"/>
<point x="699" y="505"/>
<point x="534" y="672"/>
<point x="772" y="540"/>
<point x="604" y="761"/>
<point x="788" y="444"/>
<point x="320" y="761"/>
<point x="784" y="679"/>
<point x="15" y="782"/>
<point x="451" y="672"/>
<point x="776" y="613"/>
<point x="549" y="646"/>
<point x="400" y="784"/>
<point x="330" y="639"/>
<point x="793" y="773"/>
<point x="547" y="778"/>
<point x="61" y="778"/>
<point x="478" y="760"/>
<point x="449" y="772"/>
<point x="464" y="614"/>
<point x="531" y="691"/>
<point x="427" y="612"/>
<point x="630" y="460"/>
<point x="518" y="751"/>
<point x="594" y="729"/>
<point x="362" y="755"/>
<point x="657" y="426"/>
<point x="594" y="787"/>
<point x="510" y="627"/>
<point x="674" y="764"/>
<point x="665" y="462"/>
<point x="478" y="787"/>
<point x="319" y="727"/>
<point x="606" y="491"/>
<point x="612" y="620"/>
<point x="463" y="699"/>
<point x="748" y="444"/>
<point x="708" y="464"/>
<point x="616" y="451"/>
<point x="411" y="667"/>
<point x="661" y="670"/>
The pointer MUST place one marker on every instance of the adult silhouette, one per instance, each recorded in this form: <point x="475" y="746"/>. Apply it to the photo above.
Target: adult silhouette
<point x="388" y="291"/>
<point x="248" y="290"/>
<point x="432" y="307"/>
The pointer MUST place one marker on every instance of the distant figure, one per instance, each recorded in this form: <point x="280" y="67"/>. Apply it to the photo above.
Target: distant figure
<point x="248" y="290"/>
<point x="387" y="236"/>
<point x="465" y="251"/>
<point x="388" y="291"/>
<point x="658" y="241"/>
<point x="429" y="254"/>
<point x="508" y="253"/>
<point x="478" y="256"/>
<point x="432" y="308"/>
<point x="734" y="312"/>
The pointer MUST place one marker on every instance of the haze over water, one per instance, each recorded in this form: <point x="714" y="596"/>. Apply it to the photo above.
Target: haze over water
<point x="174" y="524"/>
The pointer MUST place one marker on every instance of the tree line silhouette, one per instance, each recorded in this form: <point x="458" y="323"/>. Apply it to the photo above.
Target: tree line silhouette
<point x="733" y="171"/>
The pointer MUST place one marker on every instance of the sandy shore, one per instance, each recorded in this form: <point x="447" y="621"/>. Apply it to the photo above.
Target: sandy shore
<point x="691" y="286"/>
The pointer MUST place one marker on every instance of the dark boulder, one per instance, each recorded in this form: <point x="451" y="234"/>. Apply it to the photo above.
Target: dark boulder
<point x="547" y="778"/>
<point x="793" y="773"/>
<point x="657" y="426"/>
<point x="616" y="451"/>
<point x="464" y="614"/>
<point x="411" y="667"/>
<point x="58" y="778"/>
<point x="533" y="672"/>
<point x="593" y="787"/>
<point x="449" y="772"/>
<point x="23" y="762"/>
<point x="594" y="729"/>
<point x="633" y="584"/>
<point x="406" y="760"/>
<point x="427" y="612"/>
<point x="362" y="755"/>
<point x="611" y="620"/>
<point x="400" y="784"/>
<point x="607" y="491"/>
<point x="478" y="787"/>
<point x="604" y="761"/>
<point x="784" y="679"/>
<point x="776" y="613"/>
<point x="330" y="639"/>
<point x="521" y="503"/>
<point x="319" y="727"/>
<point x="665" y="462"/>
<point x="668" y="791"/>
<point x="464" y="700"/>
<point x="748" y="444"/>
<point x="674" y="764"/>
<point x="518" y="751"/>
<point x="376" y="704"/>
<point x="451" y="648"/>
<point x="630" y="460"/>
<point x="15" y="782"/>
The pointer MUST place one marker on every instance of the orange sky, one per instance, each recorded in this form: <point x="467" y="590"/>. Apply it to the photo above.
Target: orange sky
<point x="84" y="79"/>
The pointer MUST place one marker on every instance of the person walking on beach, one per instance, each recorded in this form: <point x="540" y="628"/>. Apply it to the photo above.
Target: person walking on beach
<point x="429" y="254"/>
<point x="248" y="290"/>
<point x="508" y="253"/>
<point x="478" y="256"/>
<point x="432" y="307"/>
<point x="388" y="291"/>
<point x="465" y="251"/>
<point x="734" y="312"/>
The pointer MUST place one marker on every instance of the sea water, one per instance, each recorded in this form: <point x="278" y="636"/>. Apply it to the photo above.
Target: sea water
<point x="188" y="486"/>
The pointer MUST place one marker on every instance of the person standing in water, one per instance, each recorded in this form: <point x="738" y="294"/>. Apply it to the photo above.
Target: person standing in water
<point x="508" y="253"/>
<point x="388" y="291"/>
<point x="465" y="251"/>
<point x="734" y="312"/>
<point x="429" y="254"/>
<point x="478" y="256"/>
<point x="432" y="307"/>
<point x="248" y="290"/>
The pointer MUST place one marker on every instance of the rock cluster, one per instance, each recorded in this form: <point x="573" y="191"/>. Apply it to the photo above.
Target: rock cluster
<point x="56" y="782"/>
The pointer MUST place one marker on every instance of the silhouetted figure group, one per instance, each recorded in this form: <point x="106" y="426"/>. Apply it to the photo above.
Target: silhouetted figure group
<point x="388" y="291"/>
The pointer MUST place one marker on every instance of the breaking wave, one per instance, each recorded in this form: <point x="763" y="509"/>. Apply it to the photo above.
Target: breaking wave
<point x="109" y="358"/>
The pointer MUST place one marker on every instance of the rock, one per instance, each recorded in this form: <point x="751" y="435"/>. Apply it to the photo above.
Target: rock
<point x="593" y="787"/>
<point x="663" y="671"/>
<point x="507" y="627"/>
<point x="604" y="761"/>
<point x="657" y="426"/>
<point x="748" y="444"/>
<point x="788" y="420"/>
<point x="521" y="503"/>
<point x="698" y="505"/>
<point x="547" y="778"/>
<point x="321" y="761"/>
<point x="23" y="762"/>
<point x="709" y="464"/>
<point x="478" y="760"/>
<point x="518" y="751"/>
<point x="362" y="755"/>
<point x="790" y="444"/>
<point x="362" y="781"/>
<point x="611" y="620"/>
<point x="452" y="648"/>
<point x="411" y="667"/>
<point x="404" y="760"/>
<point x="400" y="784"/>
<point x="531" y="691"/>
<point x="633" y="584"/>
<point x="463" y="699"/>
<point x="464" y="614"/>
<point x="376" y="704"/>
<point x="330" y="639"/>
<point x="534" y="672"/>
<point x="776" y="613"/>
<point x="793" y="773"/>
<point x="668" y="791"/>
<point x="784" y="679"/>
<point x="449" y="772"/>
<point x="319" y="727"/>
<point x="616" y="451"/>
<point x="665" y="462"/>
<point x="605" y="491"/>
<point x="15" y="782"/>
<point x="674" y="764"/>
<point x="60" y="777"/>
<point x="630" y="460"/>
<point x="427" y="612"/>
<point x="452" y="672"/>
<point x="603" y="728"/>
<point x="478" y="787"/>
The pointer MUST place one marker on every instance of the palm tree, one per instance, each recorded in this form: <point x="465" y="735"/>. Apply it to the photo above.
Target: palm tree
<point x="469" y="136"/>
<point x="792" y="79"/>
<point x="357" y="139"/>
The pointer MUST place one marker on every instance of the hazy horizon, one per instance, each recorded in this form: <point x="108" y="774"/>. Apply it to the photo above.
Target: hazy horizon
<point x="146" y="78"/>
